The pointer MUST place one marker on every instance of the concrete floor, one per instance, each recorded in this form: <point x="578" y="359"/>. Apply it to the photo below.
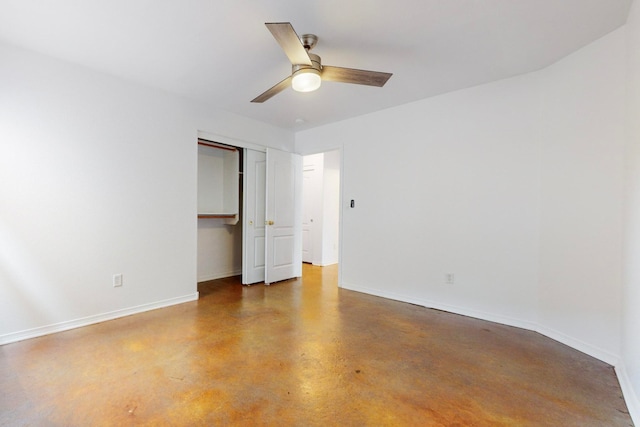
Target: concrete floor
<point x="303" y="353"/>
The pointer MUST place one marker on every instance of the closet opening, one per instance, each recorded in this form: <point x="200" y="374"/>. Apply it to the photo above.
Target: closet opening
<point x="249" y="212"/>
<point x="220" y="186"/>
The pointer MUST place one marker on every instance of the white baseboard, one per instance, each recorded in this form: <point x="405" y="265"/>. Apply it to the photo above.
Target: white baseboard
<point x="605" y="356"/>
<point x="325" y="264"/>
<point x="630" y="396"/>
<point x="504" y="320"/>
<point x="215" y="276"/>
<point x="598" y="353"/>
<point x="85" y="321"/>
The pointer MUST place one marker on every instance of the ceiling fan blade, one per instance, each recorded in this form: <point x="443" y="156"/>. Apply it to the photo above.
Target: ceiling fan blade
<point x="289" y="41"/>
<point x="351" y="75"/>
<point x="273" y="91"/>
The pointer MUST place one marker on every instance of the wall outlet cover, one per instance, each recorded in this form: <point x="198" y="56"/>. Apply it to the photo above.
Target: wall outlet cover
<point x="117" y="280"/>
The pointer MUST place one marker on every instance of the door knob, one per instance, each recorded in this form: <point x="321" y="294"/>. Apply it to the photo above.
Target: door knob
<point x="269" y="222"/>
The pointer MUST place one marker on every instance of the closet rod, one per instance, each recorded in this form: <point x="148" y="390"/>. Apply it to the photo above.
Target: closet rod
<point x="214" y="145"/>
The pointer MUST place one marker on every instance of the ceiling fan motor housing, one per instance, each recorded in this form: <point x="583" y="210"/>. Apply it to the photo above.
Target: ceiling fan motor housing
<point x="316" y="64"/>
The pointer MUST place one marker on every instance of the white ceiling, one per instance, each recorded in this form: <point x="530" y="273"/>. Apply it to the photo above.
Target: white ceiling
<point x="220" y="52"/>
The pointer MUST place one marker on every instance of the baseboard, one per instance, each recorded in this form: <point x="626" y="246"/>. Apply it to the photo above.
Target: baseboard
<point x="579" y="345"/>
<point x="86" y="321"/>
<point x="325" y="264"/>
<point x="588" y="349"/>
<point x="630" y="396"/>
<point x="219" y="276"/>
<point x="490" y="317"/>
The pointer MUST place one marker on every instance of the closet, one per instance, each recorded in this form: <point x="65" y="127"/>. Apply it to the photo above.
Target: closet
<point x="219" y="211"/>
<point x="249" y="213"/>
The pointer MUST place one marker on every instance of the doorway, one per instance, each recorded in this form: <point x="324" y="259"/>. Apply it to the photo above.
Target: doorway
<point x="321" y="208"/>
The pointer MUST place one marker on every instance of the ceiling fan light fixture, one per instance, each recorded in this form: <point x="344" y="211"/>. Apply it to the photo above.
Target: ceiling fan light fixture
<point x="306" y="80"/>
<point x="307" y="71"/>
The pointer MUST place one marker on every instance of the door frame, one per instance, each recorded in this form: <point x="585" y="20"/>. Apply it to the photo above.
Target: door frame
<point x="343" y="202"/>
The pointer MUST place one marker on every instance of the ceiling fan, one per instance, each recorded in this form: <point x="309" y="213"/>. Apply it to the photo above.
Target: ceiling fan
<point x="307" y="70"/>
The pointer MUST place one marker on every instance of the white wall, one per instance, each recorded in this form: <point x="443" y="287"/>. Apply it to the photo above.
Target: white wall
<point x="97" y="177"/>
<point x="630" y="375"/>
<point x="582" y="142"/>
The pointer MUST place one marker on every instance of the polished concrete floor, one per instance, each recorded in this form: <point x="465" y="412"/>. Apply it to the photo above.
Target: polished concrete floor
<point x="303" y="352"/>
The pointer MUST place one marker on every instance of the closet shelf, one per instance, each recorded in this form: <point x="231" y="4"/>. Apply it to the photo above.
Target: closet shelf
<point x="217" y="215"/>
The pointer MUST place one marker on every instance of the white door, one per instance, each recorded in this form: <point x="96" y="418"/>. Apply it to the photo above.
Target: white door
<point x="283" y="216"/>
<point x="253" y="218"/>
<point x="307" y="214"/>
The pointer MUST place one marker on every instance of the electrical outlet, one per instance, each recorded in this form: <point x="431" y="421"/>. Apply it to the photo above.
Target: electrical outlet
<point x="117" y="280"/>
<point x="448" y="278"/>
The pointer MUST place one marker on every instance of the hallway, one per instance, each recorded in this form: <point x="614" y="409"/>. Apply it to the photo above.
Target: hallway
<point x="303" y="352"/>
